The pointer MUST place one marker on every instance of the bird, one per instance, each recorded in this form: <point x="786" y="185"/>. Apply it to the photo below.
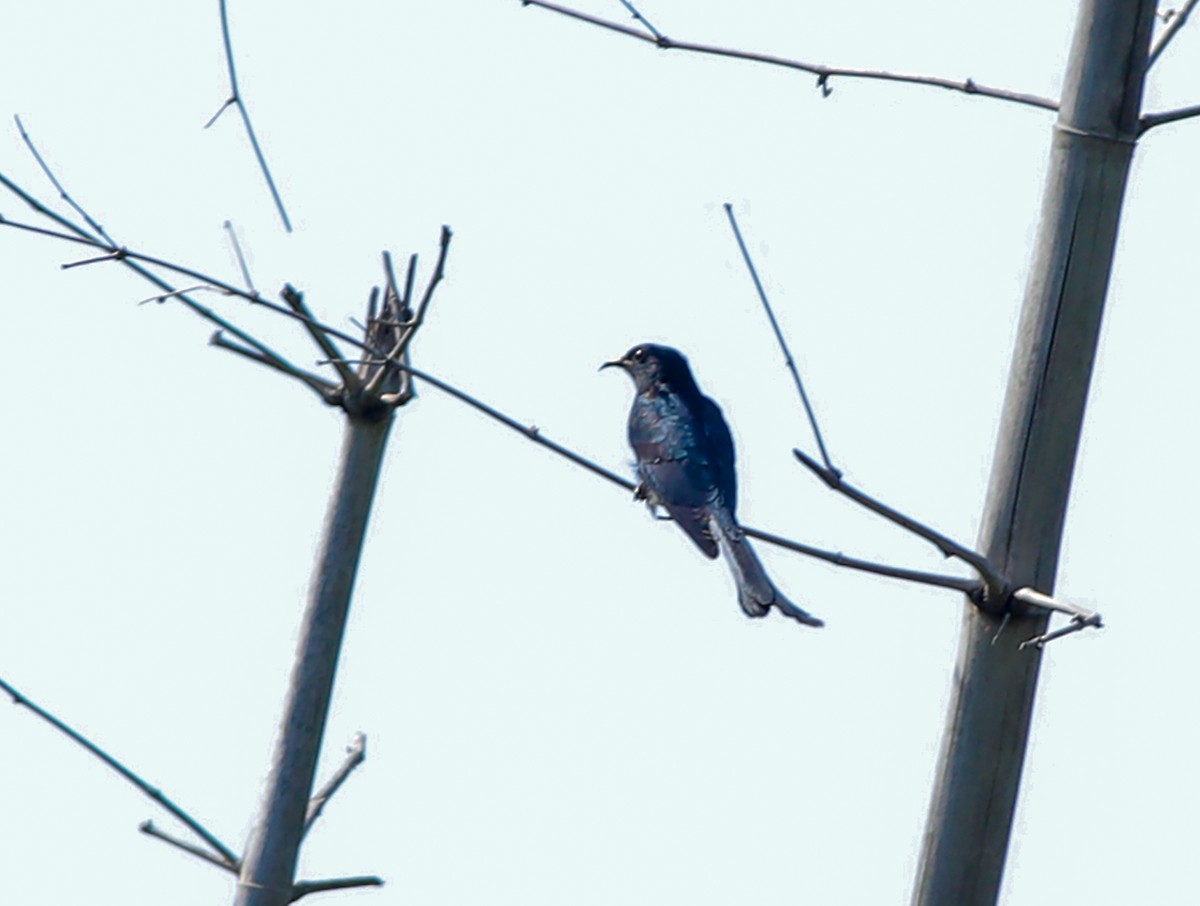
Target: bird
<point x="685" y="461"/>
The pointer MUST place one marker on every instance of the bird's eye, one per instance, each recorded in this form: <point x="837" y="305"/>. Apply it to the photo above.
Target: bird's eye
<point x="639" y="354"/>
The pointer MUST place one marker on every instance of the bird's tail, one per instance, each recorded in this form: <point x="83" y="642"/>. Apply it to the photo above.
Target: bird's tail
<point x="756" y="592"/>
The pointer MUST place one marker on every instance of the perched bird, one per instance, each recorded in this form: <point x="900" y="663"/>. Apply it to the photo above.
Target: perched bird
<point x="686" y="463"/>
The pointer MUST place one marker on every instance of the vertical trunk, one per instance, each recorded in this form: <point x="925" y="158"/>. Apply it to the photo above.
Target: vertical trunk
<point x="979" y="768"/>
<point x="269" y="866"/>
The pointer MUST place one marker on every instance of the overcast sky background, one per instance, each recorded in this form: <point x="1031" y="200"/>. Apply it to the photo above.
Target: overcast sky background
<point x="563" y="702"/>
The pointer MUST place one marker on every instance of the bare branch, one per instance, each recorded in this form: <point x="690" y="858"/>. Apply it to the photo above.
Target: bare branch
<point x="157" y="795"/>
<point x="995" y="583"/>
<point x="1149" y="120"/>
<point x="304" y="888"/>
<point x="532" y="432"/>
<point x="409" y="328"/>
<point x="328" y="392"/>
<point x="823" y="73"/>
<point x="241" y="259"/>
<point x="356" y="754"/>
<point x="1176" y="21"/>
<point x="235" y="97"/>
<point x="149" y="828"/>
<point x="1076" y="624"/>
<point x="658" y="36"/>
<point x="130" y="259"/>
<point x="295" y="301"/>
<point x="787" y="353"/>
<point x="968" y="587"/>
<point x="62" y="193"/>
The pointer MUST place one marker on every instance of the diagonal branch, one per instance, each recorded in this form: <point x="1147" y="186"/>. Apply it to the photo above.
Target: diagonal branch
<point x="532" y="432"/>
<point x="356" y="754"/>
<point x="1178" y="19"/>
<point x="638" y="17"/>
<point x="823" y="73"/>
<point x="295" y="301"/>
<point x="157" y="795"/>
<point x="787" y="353"/>
<point x="62" y="193"/>
<point x="995" y="583"/>
<point x="235" y="98"/>
<point x="151" y="830"/>
<point x="328" y="392"/>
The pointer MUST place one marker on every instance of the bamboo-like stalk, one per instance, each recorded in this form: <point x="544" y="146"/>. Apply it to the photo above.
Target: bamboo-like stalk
<point x="987" y="727"/>
<point x="269" y="866"/>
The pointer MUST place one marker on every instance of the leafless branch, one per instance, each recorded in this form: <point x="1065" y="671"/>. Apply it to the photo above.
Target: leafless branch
<point x="658" y="36"/>
<point x="304" y="888"/>
<point x="295" y="301"/>
<point x="1076" y="624"/>
<point x="235" y="98"/>
<point x="408" y="328"/>
<point x="787" y="353"/>
<point x="131" y="259"/>
<point x="1176" y="21"/>
<point x="241" y="259"/>
<point x="1149" y="120"/>
<point x="969" y="587"/>
<point x="157" y="795"/>
<point x="356" y="754"/>
<point x="62" y="193"/>
<point x="328" y="392"/>
<point x="995" y="583"/>
<point x="823" y="73"/>
<point x="149" y="828"/>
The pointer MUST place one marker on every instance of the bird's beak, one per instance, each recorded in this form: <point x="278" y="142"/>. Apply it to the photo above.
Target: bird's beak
<point x="616" y="363"/>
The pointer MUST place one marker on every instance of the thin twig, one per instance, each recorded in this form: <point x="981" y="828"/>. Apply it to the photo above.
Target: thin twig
<point x="410" y="328"/>
<point x="787" y="353"/>
<point x="823" y="73"/>
<point x="130" y="259"/>
<point x="356" y="754"/>
<point x="241" y="259"/>
<point x="1076" y="624"/>
<point x="163" y="297"/>
<point x="328" y="392"/>
<point x="295" y="301"/>
<point x="1149" y="120"/>
<point x="1177" y="21"/>
<point x="62" y="193"/>
<point x="969" y="587"/>
<point x="994" y="581"/>
<point x="149" y="828"/>
<point x="304" y="888"/>
<point x="157" y="795"/>
<point x="235" y="97"/>
<point x="658" y="36"/>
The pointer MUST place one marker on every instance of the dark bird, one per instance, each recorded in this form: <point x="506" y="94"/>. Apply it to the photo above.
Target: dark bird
<point x="685" y="461"/>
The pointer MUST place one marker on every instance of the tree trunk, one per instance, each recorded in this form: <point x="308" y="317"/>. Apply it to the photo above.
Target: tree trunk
<point x="979" y="768"/>
<point x="269" y="866"/>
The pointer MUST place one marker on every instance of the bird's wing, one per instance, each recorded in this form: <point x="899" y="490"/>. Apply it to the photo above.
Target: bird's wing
<point x="719" y="444"/>
<point x="675" y="465"/>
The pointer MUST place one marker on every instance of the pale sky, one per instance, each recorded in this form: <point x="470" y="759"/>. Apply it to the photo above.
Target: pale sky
<point x="562" y="699"/>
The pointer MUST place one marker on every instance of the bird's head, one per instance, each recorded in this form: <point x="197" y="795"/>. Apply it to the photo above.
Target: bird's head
<point x="652" y="365"/>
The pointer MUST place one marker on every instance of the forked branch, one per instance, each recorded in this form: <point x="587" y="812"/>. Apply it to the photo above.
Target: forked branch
<point x="223" y="854"/>
<point x="235" y="99"/>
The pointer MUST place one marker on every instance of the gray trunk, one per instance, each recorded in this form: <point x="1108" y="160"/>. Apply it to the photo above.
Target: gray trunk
<point x="269" y="867"/>
<point x="979" y="768"/>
